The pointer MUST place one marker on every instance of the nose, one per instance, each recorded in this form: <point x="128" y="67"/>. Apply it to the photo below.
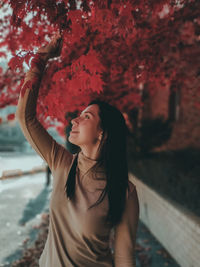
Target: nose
<point x="74" y="121"/>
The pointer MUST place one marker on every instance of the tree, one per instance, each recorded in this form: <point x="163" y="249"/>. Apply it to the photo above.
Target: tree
<point x="112" y="50"/>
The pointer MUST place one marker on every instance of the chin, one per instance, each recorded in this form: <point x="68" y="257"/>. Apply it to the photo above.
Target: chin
<point x="72" y="141"/>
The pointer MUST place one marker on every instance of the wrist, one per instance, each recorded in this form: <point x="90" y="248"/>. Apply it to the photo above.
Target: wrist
<point x="39" y="61"/>
<point x="43" y="55"/>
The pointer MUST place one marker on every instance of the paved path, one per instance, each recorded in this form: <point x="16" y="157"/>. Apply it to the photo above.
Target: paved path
<point x="149" y="252"/>
<point x="15" y="160"/>
<point x="22" y="201"/>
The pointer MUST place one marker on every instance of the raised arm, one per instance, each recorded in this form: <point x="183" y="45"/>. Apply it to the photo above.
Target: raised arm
<point x="35" y="133"/>
<point x="125" y="232"/>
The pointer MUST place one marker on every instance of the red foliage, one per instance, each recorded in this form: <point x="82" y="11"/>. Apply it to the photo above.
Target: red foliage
<point x="61" y="130"/>
<point x="11" y="117"/>
<point x="112" y="49"/>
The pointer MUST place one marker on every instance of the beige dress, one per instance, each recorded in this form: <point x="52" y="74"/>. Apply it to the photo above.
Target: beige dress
<point x="77" y="236"/>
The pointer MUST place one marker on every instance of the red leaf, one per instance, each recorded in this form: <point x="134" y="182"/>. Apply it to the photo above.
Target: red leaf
<point x="11" y="117"/>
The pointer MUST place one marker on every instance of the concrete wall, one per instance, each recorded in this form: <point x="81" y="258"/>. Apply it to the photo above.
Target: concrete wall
<point x="176" y="228"/>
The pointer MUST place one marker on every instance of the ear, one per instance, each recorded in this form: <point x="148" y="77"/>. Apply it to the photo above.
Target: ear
<point x="101" y="135"/>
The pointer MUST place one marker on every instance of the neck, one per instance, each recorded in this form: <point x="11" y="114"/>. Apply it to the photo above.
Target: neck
<point x="91" y="153"/>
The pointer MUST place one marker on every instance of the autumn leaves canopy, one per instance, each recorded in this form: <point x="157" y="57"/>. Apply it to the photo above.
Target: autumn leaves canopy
<point x="115" y="50"/>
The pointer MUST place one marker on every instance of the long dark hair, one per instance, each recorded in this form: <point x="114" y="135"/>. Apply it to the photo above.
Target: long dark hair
<point x="113" y="157"/>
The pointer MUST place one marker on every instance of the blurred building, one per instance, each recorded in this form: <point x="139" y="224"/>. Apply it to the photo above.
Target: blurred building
<point x="179" y="107"/>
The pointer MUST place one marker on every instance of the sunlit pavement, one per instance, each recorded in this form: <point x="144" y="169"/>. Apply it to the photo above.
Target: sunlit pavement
<point x="22" y="161"/>
<point x="149" y="252"/>
<point x="22" y="201"/>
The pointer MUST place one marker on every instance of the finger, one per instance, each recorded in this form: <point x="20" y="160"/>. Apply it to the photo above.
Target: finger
<point x="58" y="35"/>
<point x="55" y="43"/>
<point x="55" y="38"/>
<point x="60" y="44"/>
<point x="61" y="32"/>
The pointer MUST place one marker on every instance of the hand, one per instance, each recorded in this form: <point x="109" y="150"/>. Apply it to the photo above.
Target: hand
<point x="53" y="49"/>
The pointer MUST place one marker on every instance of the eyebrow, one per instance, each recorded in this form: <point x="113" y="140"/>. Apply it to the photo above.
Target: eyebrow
<point x="88" y="112"/>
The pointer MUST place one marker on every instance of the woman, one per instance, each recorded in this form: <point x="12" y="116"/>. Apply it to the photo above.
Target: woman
<point x="91" y="193"/>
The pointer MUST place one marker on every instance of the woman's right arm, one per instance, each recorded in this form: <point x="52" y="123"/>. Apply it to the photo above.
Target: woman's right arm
<point x="35" y="133"/>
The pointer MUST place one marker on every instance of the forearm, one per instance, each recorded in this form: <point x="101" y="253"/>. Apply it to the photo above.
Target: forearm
<point x="31" y="84"/>
<point x="33" y="131"/>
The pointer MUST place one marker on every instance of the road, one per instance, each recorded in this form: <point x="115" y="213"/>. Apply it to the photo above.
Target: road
<point x="22" y="202"/>
<point x="15" y="160"/>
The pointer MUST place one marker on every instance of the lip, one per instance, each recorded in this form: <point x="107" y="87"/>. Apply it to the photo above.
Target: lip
<point x="74" y="132"/>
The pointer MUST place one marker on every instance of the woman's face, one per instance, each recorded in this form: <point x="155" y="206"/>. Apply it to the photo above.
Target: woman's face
<point x="86" y="127"/>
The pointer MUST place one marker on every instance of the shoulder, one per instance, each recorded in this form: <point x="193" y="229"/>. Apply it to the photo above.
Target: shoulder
<point x="132" y="186"/>
<point x="131" y="189"/>
<point x="131" y="210"/>
<point x="133" y="200"/>
<point x="132" y="196"/>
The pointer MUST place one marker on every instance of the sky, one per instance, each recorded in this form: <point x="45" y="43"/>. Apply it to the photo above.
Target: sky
<point x="2" y="14"/>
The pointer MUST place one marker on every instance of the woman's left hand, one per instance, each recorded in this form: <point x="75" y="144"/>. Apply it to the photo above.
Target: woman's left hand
<point x="53" y="49"/>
